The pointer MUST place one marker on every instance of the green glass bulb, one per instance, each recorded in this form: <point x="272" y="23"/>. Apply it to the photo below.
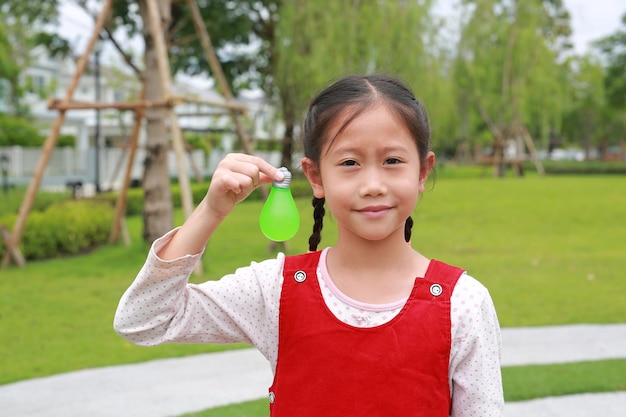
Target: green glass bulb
<point x="279" y="218"/>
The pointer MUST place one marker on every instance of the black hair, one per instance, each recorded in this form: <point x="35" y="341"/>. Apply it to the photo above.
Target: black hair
<point x="348" y="98"/>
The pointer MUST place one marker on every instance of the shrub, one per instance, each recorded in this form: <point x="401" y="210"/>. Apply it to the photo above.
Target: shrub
<point x="65" y="228"/>
<point x="13" y="199"/>
<point x="18" y="131"/>
<point x="134" y="200"/>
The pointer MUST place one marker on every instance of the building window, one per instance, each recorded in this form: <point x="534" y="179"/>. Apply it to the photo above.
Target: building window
<point x="38" y="83"/>
<point x="118" y="95"/>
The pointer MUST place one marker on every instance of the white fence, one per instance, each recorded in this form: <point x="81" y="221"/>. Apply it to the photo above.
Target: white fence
<point x="72" y="165"/>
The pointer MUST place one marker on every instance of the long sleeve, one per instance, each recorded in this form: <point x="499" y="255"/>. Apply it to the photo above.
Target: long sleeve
<point x="476" y="378"/>
<point x="161" y="306"/>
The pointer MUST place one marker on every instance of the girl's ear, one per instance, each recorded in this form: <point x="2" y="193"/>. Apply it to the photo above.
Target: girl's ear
<point x="312" y="172"/>
<point x="425" y="170"/>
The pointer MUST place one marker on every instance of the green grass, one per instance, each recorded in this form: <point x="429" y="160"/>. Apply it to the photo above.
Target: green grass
<point x="256" y="408"/>
<point x="537" y="381"/>
<point x="550" y="250"/>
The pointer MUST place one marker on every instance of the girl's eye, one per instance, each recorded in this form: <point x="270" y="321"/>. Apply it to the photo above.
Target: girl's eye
<point x="349" y="163"/>
<point x="392" y="161"/>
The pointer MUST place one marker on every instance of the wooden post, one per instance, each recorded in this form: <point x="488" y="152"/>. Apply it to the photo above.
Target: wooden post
<point x="120" y="205"/>
<point x="48" y="147"/>
<point x="11" y="247"/>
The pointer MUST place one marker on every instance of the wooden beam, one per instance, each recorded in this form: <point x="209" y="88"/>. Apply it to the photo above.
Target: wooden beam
<point x="120" y="204"/>
<point x="213" y="103"/>
<point x="56" y="104"/>
<point x="203" y="114"/>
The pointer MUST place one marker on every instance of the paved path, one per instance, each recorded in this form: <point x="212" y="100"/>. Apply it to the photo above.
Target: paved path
<point x="172" y="387"/>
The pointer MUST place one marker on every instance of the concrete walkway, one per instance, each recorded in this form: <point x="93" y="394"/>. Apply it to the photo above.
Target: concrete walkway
<point x="172" y="387"/>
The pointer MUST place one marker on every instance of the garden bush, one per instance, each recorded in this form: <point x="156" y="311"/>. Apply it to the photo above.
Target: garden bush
<point x="580" y="168"/>
<point x="65" y="228"/>
<point x="11" y="201"/>
<point x="18" y="131"/>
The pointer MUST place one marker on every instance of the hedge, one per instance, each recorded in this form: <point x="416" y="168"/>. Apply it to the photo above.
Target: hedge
<point x="65" y="228"/>
<point x="580" y="168"/>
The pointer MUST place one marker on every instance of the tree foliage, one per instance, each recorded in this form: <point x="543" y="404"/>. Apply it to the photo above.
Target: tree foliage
<point x="18" y="132"/>
<point x="613" y="49"/>
<point x="508" y="67"/>
<point x="25" y="24"/>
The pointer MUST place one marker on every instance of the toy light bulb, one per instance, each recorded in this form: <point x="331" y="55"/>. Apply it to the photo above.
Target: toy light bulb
<point x="279" y="218"/>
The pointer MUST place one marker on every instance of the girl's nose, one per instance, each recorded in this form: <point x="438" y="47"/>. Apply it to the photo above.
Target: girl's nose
<point x="372" y="184"/>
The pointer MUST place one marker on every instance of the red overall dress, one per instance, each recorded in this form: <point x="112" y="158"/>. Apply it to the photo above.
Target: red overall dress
<point x="327" y="368"/>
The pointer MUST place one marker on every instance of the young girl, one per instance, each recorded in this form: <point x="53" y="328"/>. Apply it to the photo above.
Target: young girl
<point x="368" y="327"/>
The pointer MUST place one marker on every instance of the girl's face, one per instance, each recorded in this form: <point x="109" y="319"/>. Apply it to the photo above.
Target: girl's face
<point x="370" y="175"/>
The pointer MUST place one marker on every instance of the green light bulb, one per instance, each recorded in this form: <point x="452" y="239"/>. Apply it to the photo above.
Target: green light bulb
<point x="279" y="218"/>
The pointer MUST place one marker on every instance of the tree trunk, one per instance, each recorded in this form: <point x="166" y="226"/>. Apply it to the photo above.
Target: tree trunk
<point x="289" y="117"/>
<point x="498" y="157"/>
<point x="157" y="206"/>
<point x="287" y="148"/>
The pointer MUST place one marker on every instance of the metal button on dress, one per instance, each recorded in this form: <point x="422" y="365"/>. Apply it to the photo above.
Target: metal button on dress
<point x="272" y="397"/>
<point x="436" y="290"/>
<point x="299" y="276"/>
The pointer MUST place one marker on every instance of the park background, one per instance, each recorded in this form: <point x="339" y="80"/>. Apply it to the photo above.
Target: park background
<point x="549" y="247"/>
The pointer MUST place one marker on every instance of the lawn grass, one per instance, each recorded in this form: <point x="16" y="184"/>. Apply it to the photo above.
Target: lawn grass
<point x="255" y="408"/>
<point x="550" y="250"/>
<point x="537" y="381"/>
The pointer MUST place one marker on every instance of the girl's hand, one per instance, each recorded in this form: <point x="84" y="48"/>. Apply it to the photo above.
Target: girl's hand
<point x="236" y="176"/>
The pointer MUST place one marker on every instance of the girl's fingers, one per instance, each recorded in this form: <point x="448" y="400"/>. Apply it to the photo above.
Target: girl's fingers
<point x="255" y="167"/>
<point x="235" y="178"/>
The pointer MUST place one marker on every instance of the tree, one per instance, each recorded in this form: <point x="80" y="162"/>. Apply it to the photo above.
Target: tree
<point x="508" y="66"/>
<point x="613" y="50"/>
<point x="317" y="41"/>
<point x="613" y="116"/>
<point x="582" y="119"/>
<point x="23" y="25"/>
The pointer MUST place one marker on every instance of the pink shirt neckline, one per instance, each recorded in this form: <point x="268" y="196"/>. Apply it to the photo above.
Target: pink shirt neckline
<point x="325" y="277"/>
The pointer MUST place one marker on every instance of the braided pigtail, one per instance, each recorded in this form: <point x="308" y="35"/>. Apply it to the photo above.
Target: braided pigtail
<point x="318" y="216"/>
<point x="408" y="225"/>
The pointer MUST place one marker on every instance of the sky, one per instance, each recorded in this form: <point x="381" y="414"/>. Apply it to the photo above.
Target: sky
<point x="590" y="20"/>
<point x="593" y="19"/>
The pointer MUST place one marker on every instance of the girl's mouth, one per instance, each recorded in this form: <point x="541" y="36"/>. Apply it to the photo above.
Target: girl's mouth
<point x="374" y="212"/>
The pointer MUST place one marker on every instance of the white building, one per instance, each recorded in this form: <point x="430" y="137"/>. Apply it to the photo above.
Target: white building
<point x="51" y="77"/>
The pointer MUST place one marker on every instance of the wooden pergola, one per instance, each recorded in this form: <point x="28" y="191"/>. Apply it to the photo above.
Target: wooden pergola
<point x="168" y="101"/>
